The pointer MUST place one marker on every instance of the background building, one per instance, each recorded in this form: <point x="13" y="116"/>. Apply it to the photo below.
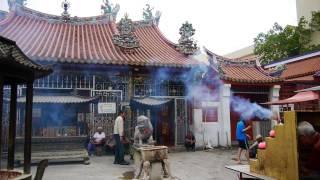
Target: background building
<point x="245" y="83"/>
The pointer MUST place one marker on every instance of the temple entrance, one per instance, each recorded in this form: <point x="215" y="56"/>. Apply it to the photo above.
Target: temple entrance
<point x="234" y="118"/>
<point x="162" y="115"/>
<point x="264" y="126"/>
<point x="181" y="120"/>
<point x="163" y="123"/>
<point x="105" y="112"/>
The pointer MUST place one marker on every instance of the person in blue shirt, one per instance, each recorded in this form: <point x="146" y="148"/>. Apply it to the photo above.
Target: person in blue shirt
<point x="242" y="139"/>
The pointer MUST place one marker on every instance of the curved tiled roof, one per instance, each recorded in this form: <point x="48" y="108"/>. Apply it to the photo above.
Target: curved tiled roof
<point x="301" y="68"/>
<point x="246" y="74"/>
<point x="149" y="101"/>
<point x="247" y="71"/>
<point x="44" y="37"/>
<point x="71" y="99"/>
<point x="307" y="78"/>
<point x="10" y="52"/>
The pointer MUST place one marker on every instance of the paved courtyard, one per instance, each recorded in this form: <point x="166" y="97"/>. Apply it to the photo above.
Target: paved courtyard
<point x="185" y="165"/>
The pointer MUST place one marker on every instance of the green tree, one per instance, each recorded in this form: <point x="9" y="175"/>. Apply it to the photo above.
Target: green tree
<point x="279" y="43"/>
<point x="315" y="21"/>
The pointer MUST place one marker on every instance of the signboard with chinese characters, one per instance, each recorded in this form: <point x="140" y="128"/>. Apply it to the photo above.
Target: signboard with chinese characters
<point x="106" y="108"/>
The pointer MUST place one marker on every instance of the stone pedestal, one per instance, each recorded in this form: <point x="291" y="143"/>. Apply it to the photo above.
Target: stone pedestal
<point x="151" y="162"/>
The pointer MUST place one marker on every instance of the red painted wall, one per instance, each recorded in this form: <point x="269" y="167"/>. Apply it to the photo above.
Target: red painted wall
<point x="234" y="116"/>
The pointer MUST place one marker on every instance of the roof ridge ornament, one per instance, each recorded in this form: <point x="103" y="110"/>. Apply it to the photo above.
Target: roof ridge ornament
<point x="126" y="39"/>
<point x="157" y="17"/>
<point x="13" y="3"/>
<point x="65" y="5"/>
<point x="147" y="12"/>
<point x="110" y="9"/>
<point x="277" y="70"/>
<point x="148" y="15"/>
<point x="214" y="63"/>
<point x="186" y="44"/>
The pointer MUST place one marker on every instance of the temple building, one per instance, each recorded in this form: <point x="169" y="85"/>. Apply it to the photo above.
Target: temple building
<point x="298" y="73"/>
<point x="248" y="80"/>
<point x="101" y="67"/>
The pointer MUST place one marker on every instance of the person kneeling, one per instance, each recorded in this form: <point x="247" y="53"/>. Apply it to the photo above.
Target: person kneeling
<point x="254" y="147"/>
<point x="190" y="141"/>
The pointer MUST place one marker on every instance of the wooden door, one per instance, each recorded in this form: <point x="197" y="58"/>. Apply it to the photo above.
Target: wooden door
<point x="234" y="116"/>
<point x="165" y="126"/>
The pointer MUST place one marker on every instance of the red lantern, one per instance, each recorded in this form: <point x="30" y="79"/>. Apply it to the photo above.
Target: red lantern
<point x="262" y="145"/>
<point x="272" y="133"/>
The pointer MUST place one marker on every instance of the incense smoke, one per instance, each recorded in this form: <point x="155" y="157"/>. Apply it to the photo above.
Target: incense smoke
<point x="211" y="81"/>
<point x="199" y="82"/>
<point x="248" y="110"/>
<point x="202" y="83"/>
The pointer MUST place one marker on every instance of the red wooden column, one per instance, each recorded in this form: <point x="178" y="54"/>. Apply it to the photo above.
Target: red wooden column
<point x="1" y="106"/>
<point x="28" y="128"/>
<point x="12" y="125"/>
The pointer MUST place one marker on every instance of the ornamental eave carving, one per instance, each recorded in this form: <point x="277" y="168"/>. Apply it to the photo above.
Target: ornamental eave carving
<point x="126" y="39"/>
<point x="186" y="43"/>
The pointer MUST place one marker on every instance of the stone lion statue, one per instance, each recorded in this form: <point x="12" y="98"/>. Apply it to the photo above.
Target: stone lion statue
<point x="143" y="131"/>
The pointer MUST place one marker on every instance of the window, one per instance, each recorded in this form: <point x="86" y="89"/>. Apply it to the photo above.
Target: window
<point x="210" y="114"/>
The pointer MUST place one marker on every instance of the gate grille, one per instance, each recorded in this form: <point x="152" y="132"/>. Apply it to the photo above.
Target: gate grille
<point x="181" y="120"/>
<point x="106" y="121"/>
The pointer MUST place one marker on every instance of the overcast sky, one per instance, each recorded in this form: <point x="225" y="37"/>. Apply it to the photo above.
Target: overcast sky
<point x="222" y="26"/>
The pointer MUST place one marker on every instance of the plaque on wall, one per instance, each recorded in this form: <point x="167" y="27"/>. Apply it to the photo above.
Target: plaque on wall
<point x="106" y="108"/>
<point x="210" y="114"/>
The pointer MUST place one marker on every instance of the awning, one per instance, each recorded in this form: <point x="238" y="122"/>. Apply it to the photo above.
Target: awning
<point x="300" y="97"/>
<point x="316" y="88"/>
<point x="60" y="99"/>
<point x="149" y="101"/>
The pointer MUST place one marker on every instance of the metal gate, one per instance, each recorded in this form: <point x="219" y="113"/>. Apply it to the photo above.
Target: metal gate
<point x="105" y="120"/>
<point x="265" y="127"/>
<point x="181" y="120"/>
